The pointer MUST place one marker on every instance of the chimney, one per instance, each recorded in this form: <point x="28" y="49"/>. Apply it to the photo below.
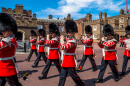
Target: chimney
<point x="50" y="16"/>
<point x="100" y="15"/>
<point x="34" y="15"/>
<point x="57" y="18"/>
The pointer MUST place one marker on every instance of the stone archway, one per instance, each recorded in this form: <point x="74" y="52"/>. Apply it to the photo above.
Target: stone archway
<point x="20" y="35"/>
<point x="116" y="36"/>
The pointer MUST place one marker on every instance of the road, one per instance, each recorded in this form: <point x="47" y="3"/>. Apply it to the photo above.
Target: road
<point x="86" y="75"/>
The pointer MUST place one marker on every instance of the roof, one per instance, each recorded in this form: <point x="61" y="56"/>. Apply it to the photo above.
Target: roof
<point x="51" y="20"/>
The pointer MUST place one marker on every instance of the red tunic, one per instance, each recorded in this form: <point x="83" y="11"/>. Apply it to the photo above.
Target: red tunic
<point x="109" y="49"/>
<point x="127" y="46"/>
<point x="88" y="46"/>
<point x="33" y="43"/>
<point x="69" y="48"/>
<point x="41" y="45"/>
<point x="7" y="51"/>
<point x="53" y="51"/>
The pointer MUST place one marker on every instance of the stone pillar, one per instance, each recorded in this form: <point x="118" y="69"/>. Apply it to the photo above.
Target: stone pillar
<point x="100" y="15"/>
<point x="50" y="17"/>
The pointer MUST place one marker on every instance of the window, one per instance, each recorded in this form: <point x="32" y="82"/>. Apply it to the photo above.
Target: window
<point x="61" y="29"/>
<point x="94" y="36"/>
<point x="122" y="20"/>
<point x="94" y="28"/>
<point x="39" y="27"/>
<point x="121" y="26"/>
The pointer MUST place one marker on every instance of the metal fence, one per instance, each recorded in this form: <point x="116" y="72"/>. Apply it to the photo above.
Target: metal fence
<point x="23" y="46"/>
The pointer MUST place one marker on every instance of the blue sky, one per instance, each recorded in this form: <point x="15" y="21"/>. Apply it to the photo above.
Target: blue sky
<point x="60" y="8"/>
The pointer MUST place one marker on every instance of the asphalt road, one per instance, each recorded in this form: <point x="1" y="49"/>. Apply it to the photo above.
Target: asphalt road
<point x="86" y="75"/>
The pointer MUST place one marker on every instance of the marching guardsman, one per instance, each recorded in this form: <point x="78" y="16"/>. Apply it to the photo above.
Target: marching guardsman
<point x="68" y="63"/>
<point x="33" y="41"/>
<point x="127" y="50"/>
<point x="109" y="54"/>
<point x="121" y="41"/>
<point x="53" y="42"/>
<point x="8" y="45"/>
<point x="88" y="53"/>
<point x="41" y="44"/>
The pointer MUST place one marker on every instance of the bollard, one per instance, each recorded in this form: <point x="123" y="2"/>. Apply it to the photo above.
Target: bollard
<point x="25" y="47"/>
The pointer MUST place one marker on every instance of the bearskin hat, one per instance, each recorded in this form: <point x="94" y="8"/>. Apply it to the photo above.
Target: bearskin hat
<point x="53" y="28"/>
<point x="70" y="26"/>
<point x="88" y="29"/>
<point x="1" y="33"/>
<point x="108" y="29"/>
<point x="33" y="33"/>
<point x="127" y="30"/>
<point x="7" y="23"/>
<point x="42" y="32"/>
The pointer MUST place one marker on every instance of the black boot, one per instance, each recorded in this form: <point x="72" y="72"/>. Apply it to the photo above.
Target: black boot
<point x="94" y="70"/>
<point x="99" y="81"/>
<point x="122" y="74"/>
<point x="116" y="80"/>
<point x="26" y="60"/>
<point x="42" y="77"/>
<point x="34" y="66"/>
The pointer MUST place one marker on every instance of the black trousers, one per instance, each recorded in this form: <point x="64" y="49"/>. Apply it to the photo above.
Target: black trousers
<point x="48" y="65"/>
<point x="122" y="44"/>
<point x="73" y="75"/>
<point x="30" y="55"/>
<point x="40" y="54"/>
<point x="125" y="63"/>
<point x="12" y="80"/>
<point x="112" y="64"/>
<point x="91" y="60"/>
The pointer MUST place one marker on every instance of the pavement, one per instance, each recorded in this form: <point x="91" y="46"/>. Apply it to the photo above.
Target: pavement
<point x="87" y="75"/>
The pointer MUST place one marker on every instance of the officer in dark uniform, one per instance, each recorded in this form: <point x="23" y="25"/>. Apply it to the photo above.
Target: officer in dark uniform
<point x="8" y="45"/>
<point x="33" y="41"/>
<point x="41" y="44"/>
<point x="69" y="60"/>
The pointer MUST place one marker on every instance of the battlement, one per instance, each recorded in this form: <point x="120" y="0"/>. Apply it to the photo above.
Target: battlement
<point x="113" y="17"/>
<point x="22" y="17"/>
<point x="95" y="21"/>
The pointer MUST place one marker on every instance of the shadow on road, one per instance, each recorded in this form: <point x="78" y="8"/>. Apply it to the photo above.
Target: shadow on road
<point x="89" y="82"/>
<point x="53" y="76"/>
<point x="29" y="71"/>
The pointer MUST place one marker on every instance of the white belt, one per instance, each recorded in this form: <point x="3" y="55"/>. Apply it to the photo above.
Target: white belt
<point x="42" y="45"/>
<point x="88" y="46"/>
<point x="33" y="43"/>
<point x="69" y="53"/>
<point x="53" y="48"/>
<point x="7" y="58"/>
<point x="110" y="50"/>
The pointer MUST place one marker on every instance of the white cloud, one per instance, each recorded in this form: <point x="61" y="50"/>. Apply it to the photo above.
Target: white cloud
<point x="75" y="6"/>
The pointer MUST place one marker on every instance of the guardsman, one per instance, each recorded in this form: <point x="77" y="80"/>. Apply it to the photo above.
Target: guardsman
<point x="41" y="44"/>
<point x="88" y="53"/>
<point x="8" y="45"/>
<point x="68" y="63"/>
<point x="109" y="53"/>
<point x="33" y="41"/>
<point x="127" y="50"/>
<point x="121" y="41"/>
<point x="53" y="42"/>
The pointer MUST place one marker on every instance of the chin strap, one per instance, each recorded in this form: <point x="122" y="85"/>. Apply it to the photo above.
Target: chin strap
<point x="5" y="33"/>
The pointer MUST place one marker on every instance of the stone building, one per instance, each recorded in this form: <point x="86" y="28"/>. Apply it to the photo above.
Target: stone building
<point x="24" y="19"/>
<point x="27" y="21"/>
<point x="118" y="22"/>
<point x="44" y="24"/>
